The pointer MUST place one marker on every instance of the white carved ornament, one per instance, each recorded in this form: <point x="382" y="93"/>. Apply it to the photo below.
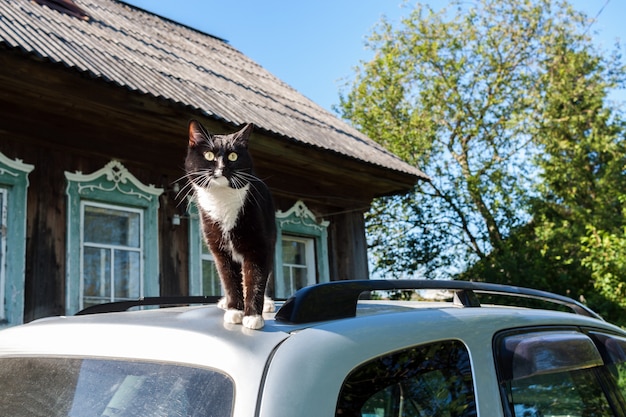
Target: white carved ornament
<point x="14" y="165"/>
<point x="119" y="176"/>
<point x="299" y="213"/>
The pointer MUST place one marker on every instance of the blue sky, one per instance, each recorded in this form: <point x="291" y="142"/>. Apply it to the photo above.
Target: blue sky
<point x="315" y="45"/>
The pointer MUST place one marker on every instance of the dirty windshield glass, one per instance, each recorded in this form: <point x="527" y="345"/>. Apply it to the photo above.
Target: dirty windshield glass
<point x="71" y="387"/>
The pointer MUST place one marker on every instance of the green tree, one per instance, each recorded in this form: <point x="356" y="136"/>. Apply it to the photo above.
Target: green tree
<point x="458" y="92"/>
<point x="583" y="178"/>
<point x="575" y="243"/>
<point x="450" y="91"/>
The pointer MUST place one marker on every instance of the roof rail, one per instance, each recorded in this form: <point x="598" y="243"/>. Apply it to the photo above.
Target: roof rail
<point x="117" y="306"/>
<point x="338" y="299"/>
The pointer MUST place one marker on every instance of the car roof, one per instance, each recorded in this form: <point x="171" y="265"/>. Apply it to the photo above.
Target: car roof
<point x="198" y="336"/>
<point x="309" y="338"/>
<point x="126" y="334"/>
<point x="319" y="352"/>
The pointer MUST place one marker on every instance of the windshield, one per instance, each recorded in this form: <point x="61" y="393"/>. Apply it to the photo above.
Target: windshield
<point x="75" y="387"/>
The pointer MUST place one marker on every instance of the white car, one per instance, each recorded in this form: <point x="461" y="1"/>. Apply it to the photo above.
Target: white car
<point x="324" y="353"/>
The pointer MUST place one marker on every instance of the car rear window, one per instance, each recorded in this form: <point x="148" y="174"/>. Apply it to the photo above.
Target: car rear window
<point x="78" y="387"/>
<point x="560" y="373"/>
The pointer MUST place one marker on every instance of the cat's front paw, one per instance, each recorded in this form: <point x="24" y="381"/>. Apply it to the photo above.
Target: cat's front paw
<point x="253" y="322"/>
<point x="268" y="305"/>
<point x="222" y="303"/>
<point x="233" y="316"/>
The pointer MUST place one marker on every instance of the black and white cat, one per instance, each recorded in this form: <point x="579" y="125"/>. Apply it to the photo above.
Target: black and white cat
<point x="237" y="218"/>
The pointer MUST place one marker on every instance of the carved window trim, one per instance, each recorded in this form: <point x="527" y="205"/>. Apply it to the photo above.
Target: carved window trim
<point x="14" y="184"/>
<point x="299" y="221"/>
<point x="115" y="186"/>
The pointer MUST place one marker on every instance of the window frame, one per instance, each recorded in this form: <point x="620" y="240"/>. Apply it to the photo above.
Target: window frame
<point x="599" y="372"/>
<point x="4" y="226"/>
<point x="115" y="186"/>
<point x="309" y="265"/>
<point x="112" y="248"/>
<point x="406" y="367"/>
<point x="299" y="221"/>
<point x="14" y="183"/>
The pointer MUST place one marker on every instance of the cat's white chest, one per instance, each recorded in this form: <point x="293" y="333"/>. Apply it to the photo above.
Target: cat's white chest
<point x="222" y="203"/>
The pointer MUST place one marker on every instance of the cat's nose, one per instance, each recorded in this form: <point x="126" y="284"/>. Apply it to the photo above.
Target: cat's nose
<point x="217" y="173"/>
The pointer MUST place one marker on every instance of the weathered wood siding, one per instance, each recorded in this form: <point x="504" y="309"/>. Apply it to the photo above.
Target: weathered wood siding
<point x="59" y="121"/>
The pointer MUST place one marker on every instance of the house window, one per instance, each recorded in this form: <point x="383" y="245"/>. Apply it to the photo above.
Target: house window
<point x="112" y="247"/>
<point x="13" y="187"/>
<point x="112" y="253"/>
<point x="298" y="264"/>
<point x="301" y="250"/>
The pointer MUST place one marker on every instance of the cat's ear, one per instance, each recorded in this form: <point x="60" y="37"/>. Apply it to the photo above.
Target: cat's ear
<point x="244" y="134"/>
<point x="197" y="133"/>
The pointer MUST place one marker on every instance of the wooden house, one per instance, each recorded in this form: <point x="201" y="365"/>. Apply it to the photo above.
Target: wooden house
<point x="95" y="97"/>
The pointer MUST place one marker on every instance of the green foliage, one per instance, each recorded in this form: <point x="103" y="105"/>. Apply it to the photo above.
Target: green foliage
<point x="579" y="215"/>
<point x="454" y="92"/>
<point x="503" y="103"/>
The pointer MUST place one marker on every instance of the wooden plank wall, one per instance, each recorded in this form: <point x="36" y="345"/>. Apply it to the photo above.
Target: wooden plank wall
<point x="59" y="120"/>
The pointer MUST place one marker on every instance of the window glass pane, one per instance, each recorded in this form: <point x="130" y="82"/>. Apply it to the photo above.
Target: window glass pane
<point x="573" y="393"/>
<point x="431" y="380"/>
<point x="126" y="276"/>
<point x="210" y="279"/>
<point x="299" y="276"/>
<point x="552" y="373"/>
<point x="112" y="253"/>
<point x="619" y="373"/>
<point x="96" y="276"/>
<point x="111" y="226"/>
<point x="61" y="387"/>
<point x="298" y="265"/>
<point x="294" y="252"/>
<point x="287" y="282"/>
<point x="614" y="351"/>
<point x="205" y="250"/>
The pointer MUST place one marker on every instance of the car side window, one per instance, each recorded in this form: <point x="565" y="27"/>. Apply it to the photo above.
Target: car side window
<point x="613" y="350"/>
<point x="553" y="373"/>
<point x="428" y="380"/>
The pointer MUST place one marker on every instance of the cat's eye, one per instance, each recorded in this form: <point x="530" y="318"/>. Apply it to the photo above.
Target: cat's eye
<point x="232" y="156"/>
<point x="209" y="156"/>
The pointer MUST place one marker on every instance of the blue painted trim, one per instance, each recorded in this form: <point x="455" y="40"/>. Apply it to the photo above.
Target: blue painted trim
<point x="112" y="185"/>
<point x="14" y="178"/>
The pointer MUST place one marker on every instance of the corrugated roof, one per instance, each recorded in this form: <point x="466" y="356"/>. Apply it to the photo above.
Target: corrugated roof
<point x="146" y="53"/>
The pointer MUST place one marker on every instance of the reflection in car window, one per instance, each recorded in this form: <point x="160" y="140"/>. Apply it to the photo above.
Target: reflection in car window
<point x="571" y="393"/>
<point x="55" y="387"/>
<point x="613" y="350"/>
<point x="430" y="380"/>
<point x="553" y="373"/>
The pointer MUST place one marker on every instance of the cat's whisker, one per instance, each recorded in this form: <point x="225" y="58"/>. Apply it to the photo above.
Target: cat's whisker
<point x="184" y="191"/>
<point x="250" y="177"/>
<point x="254" y="191"/>
<point x="239" y="183"/>
<point x="201" y="178"/>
